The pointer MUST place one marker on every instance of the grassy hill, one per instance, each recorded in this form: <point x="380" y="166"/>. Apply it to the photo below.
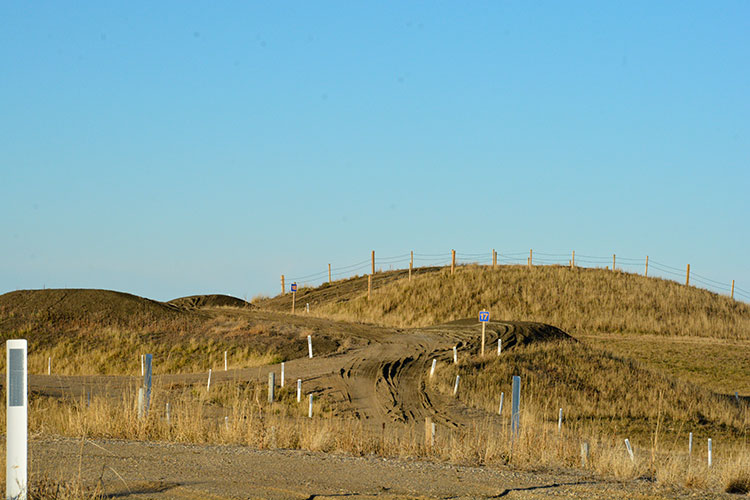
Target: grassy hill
<point x="583" y="301"/>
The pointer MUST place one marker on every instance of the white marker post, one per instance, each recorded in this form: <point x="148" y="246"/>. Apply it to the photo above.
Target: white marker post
<point x="502" y="399"/>
<point x="307" y="308"/>
<point x="515" y="411"/>
<point x="690" y="444"/>
<point x="17" y="420"/>
<point x="710" y="450"/>
<point x="432" y="370"/>
<point x="630" y="450"/>
<point x="309" y="407"/>
<point x="225" y="360"/>
<point x="299" y="390"/>
<point x="455" y="355"/>
<point x="147" y="382"/>
<point x="208" y="385"/>
<point x="143" y="371"/>
<point x="49" y="365"/>
<point x="309" y="346"/>
<point x="499" y="346"/>
<point x="271" y="386"/>
<point x="455" y="387"/>
<point x="559" y="421"/>
<point x="282" y="374"/>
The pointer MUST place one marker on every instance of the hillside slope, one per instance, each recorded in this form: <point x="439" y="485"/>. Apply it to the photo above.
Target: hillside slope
<point x="578" y="301"/>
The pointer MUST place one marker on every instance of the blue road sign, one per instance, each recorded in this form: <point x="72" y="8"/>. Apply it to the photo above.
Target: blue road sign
<point x="294" y="287"/>
<point x="484" y="316"/>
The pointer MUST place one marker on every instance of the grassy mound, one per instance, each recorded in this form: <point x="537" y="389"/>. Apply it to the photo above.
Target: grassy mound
<point x="213" y="300"/>
<point x="578" y="301"/>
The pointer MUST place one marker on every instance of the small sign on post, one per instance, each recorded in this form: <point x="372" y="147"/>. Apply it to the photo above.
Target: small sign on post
<point x="484" y="317"/>
<point x="17" y="420"/>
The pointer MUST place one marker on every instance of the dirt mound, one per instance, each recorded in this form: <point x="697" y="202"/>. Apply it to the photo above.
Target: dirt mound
<point x="512" y="333"/>
<point x="84" y="306"/>
<point x="214" y="300"/>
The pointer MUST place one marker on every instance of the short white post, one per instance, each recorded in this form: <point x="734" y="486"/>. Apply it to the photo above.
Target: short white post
<point x="630" y="450"/>
<point x="432" y="440"/>
<point x="515" y="414"/>
<point x="282" y="374"/>
<point x="584" y="453"/>
<point x="309" y="346"/>
<point x="49" y="365"/>
<point x="141" y="402"/>
<point x="143" y="371"/>
<point x="271" y="386"/>
<point x="499" y="346"/>
<point x="307" y="307"/>
<point x="167" y="413"/>
<point x="226" y="423"/>
<point x="502" y="399"/>
<point x="455" y="387"/>
<point x="225" y="360"/>
<point x="710" y="450"/>
<point x="17" y="420"/>
<point x="455" y="355"/>
<point x="432" y="370"/>
<point x="690" y="444"/>
<point x="309" y="407"/>
<point x="559" y="420"/>
<point x="299" y="390"/>
<point x="208" y="385"/>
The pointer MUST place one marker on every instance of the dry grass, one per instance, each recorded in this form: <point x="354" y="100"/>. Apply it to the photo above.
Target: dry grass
<point x="578" y="301"/>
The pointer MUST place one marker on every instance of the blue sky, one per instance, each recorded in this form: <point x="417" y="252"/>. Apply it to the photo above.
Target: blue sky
<point x="185" y="147"/>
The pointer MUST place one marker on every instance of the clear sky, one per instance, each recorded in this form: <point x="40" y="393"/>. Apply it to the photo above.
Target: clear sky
<point x="175" y="148"/>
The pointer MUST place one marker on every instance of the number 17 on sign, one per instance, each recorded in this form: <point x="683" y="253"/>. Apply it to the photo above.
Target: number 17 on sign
<point x="484" y="317"/>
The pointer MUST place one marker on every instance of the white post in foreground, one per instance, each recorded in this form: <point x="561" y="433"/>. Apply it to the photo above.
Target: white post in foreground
<point x="455" y="355"/>
<point x="225" y="360"/>
<point x="630" y="449"/>
<point x="309" y="346"/>
<point x="309" y="408"/>
<point x="49" y="365"/>
<point x="515" y="410"/>
<point x="208" y="385"/>
<point x="299" y="390"/>
<point x="455" y="387"/>
<point x="432" y="370"/>
<point x="709" y="452"/>
<point x="143" y="371"/>
<point x="499" y="346"/>
<point x="559" y="421"/>
<point x="282" y="374"/>
<point x="17" y="420"/>
<point x="690" y="444"/>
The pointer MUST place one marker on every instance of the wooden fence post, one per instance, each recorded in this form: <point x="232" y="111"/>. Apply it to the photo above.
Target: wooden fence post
<point x="646" y="266"/>
<point x="687" y="276"/>
<point x="573" y="260"/>
<point x="329" y="274"/>
<point x="732" y="296"/>
<point x="411" y="264"/>
<point x="294" y="299"/>
<point x="373" y="262"/>
<point x="369" y="286"/>
<point x="531" y="258"/>
<point x="283" y="286"/>
<point x="494" y="259"/>
<point x="613" y="262"/>
<point x="453" y="261"/>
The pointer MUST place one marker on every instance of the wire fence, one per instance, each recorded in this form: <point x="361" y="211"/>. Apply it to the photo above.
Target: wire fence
<point x="633" y="265"/>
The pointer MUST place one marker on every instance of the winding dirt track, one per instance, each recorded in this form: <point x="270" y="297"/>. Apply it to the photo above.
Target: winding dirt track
<point x="381" y="381"/>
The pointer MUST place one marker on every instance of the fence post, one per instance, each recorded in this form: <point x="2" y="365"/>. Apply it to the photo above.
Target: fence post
<point x="373" y="262"/>
<point x="147" y="381"/>
<point x="17" y="419"/>
<point x="732" y="296"/>
<point x="49" y="359"/>
<point x="613" y="262"/>
<point x="294" y="300"/>
<point x="309" y="407"/>
<point x="299" y="390"/>
<point x="584" y="453"/>
<point x="283" y="286"/>
<point x="329" y="274"/>
<point x="453" y="261"/>
<point x="309" y="345"/>
<point x="208" y="384"/>
<point x="559" y="421"/>
<point x="271" y="386"/>
<point x="499" y="346"/>
<point x="502" y="400"/>
<point x="369" y="286"/>
<point x="432" y="370"/>
<point x="687" y="276"/>
<point x="455" y="387"/>
<point x="531" y="258"/>
<point x="282" y="374"/>
<point x="646" y="274"/>
<point x="630" y="450"/>
<point x="573" y="260"/>
<point x="225" y="360"/>
<point x="690" y="444"/>
<point x="455" y="355"/>
<point x="710" y="450"/>
<point x="411" y="264"/>
<point x="494" y="259"/>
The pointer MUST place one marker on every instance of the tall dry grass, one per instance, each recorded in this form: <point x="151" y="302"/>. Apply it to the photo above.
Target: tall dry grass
<point x="576" y="300"/>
